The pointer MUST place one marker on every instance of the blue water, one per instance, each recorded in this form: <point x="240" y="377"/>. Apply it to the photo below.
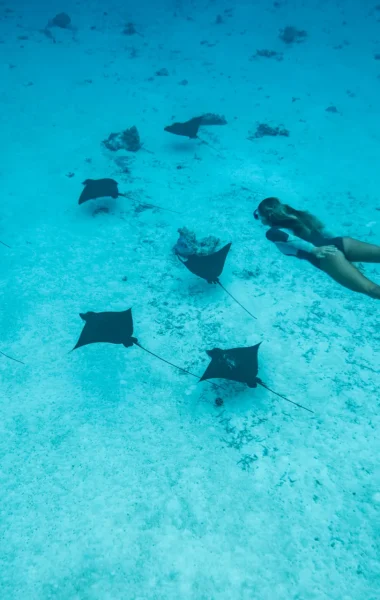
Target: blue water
<point x="122" y="478"/>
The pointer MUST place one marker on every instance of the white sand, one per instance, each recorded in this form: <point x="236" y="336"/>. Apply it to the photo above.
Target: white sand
<point x="119" y="477"/>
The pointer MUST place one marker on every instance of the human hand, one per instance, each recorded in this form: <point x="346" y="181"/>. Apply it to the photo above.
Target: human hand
<point x="323" y="251"/>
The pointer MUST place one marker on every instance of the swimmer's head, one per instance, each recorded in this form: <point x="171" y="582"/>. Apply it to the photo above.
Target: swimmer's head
<point x="273" y="213"/>
<point x="269" y="211"/>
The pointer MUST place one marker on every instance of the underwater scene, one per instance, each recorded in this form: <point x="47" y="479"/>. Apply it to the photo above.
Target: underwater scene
<point x="190" y="300"/>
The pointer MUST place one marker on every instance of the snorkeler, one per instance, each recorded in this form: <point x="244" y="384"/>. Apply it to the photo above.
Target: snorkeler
<point x="299" y="233"/>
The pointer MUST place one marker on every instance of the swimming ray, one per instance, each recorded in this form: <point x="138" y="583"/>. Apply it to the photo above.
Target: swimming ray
<point x="115" y="328"/>
<point x="210" y="267"/>
<point x="108" y="188"/>
<point x="99" y="188"/>
<point x="239" y="364"/>
<point x="186" y="129"/>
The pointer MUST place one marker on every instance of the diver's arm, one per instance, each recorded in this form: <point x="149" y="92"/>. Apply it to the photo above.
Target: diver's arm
<point x="289" y="244"/>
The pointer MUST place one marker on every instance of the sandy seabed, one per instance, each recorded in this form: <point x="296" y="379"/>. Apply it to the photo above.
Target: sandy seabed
<point x="120" y="478"/>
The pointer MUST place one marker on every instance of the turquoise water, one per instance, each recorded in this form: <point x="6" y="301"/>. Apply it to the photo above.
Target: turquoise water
<point x="121" y="478"/>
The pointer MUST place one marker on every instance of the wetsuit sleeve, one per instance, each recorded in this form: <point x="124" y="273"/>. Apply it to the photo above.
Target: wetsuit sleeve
<point x="287" y="243"/>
